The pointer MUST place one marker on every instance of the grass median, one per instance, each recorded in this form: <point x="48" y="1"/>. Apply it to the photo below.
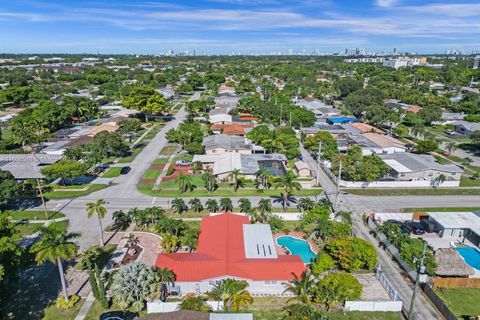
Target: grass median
<point x="73" y="194"/>
<point x="414" y="192"/>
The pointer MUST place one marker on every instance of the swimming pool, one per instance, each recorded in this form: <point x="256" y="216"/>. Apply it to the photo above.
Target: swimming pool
<point x="471" y="256"/>
<point x="297" y="246"/>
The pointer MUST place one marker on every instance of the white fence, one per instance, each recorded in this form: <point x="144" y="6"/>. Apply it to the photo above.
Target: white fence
<point x="395" y="306"/>
<point x="158" y="306"/>
<point x="398" y="184"/>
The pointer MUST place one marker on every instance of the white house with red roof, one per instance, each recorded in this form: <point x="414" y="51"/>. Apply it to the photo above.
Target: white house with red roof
<point x="230" y="247"/>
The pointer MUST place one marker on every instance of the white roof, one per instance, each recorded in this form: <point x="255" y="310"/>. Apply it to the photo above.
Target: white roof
<point x="457" y="220"/>
<point x="258" y="241"/>
<point x="231" y="316"/>
<point x="215" y="118"/>
<point x="397" y="166"/>
<point x="221" y="163"/>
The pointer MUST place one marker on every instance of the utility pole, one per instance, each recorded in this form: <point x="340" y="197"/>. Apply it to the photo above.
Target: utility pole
<point x="338" y="184"/>
<point x="43" y="199"/>
<point x="420" y="269"/>
<point x="290" y="119"/>
<point x="281" y="111"/>
<point x="318" y="160"/>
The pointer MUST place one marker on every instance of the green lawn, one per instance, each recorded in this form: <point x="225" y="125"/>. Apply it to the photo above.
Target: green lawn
<point x="112" y="172"/>
<point x="160" y="161"/>
<point x="152" y="174"/>
<point x="466" y="182"/>
<point x="97" y="310"/>
<point x="201" y="192"/>
<point x="168" y="150"/>
<point x="73" y="194"/>
<point x="353" y="315"/>
<point x="53" y="313"/>
<point x="413" y="192"/>
<point x="34" y="215"/>
<point x="69" y="187"/>
<point x="441" y="209"/>
<point x="463" y="302"/>
<point x="30" y="228"/>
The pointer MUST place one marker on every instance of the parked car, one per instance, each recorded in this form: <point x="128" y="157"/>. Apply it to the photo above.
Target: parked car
<point x="449" y="132"/>
<point x="401" y="225"/>
<point x="183" y="163"/>
<point x="125" y="170"/>
<point x="428" y="225"/>
<point x="415" y="227"/>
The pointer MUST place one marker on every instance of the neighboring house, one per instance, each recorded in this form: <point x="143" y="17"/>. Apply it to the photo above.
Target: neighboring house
<point x="405" y="166"/>
<point x="457" y="225"/>
<point x="233" y="129"/>
<point x="374" y="143"/>
<point x="26" y="166"/>
<point x="302" y="169"/>
<point x="335" y="130"/>
<point x="223" y="143"/>
<point x="230" y="247"/>
<point x="466" y="128"/>
<point x="248" y="164"/>
<point x="341" y="120"/>
<point x="450" y="117"/>
<point x="396" y="104"/>
<point x="220" y="118"/>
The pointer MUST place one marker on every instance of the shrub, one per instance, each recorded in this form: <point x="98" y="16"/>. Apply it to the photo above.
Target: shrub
<point x="170" y="171"/>
<point x="322" y="263"/>
<point x="352" y="254"/>
<point x="61" y="303"/>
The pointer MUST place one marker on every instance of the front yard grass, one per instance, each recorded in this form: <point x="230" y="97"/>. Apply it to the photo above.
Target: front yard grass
<point x="414" y="192"/>
<point x="463" y="302"/>
<point x="338" y="315"/>
<point x="112" y="172"/>
<point x="151" y="174"/>
<point x="168" y="150"/>
<point x="467" y="182"/>
<point x="73" y="194"/>
<point x="27" y="229"/>
<point x="201" y="192"/>
<point x="53" y="313"/>
<point x="34" y="215"/>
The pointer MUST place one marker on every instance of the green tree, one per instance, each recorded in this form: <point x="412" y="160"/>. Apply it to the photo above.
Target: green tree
<point x="121" y="220"/>
<point x="65" y="169"/>
<point x="179" y="206"/>
<point x="232" y="293"/>
<point x="328" y="144"/>
<point x="194" y="303"/>
<point x="322" y="263"/>
<point x="426" y="146"/>
<point x="336" y="288"/>
<point x="264" y="179"/>
<point x="196" y="205"/>
<point x="238" y="181"/>
<point x="55" y="245"/>
<point x="305" y="204"/>
<point x="288" y="183"/>
<point x="352" y="254"/>
<point x="9" y="188"/>
<point x="145" y="99"/>
<point x="97" y="208"/>
<point x="301" y="288"/>
<point x="10" y="251"/>
<point x="184" y="183"/>
<point x="128" y="127"/>
<point x="245" y="205"/>
<point x="226" y="205"/>
<point x="212" y="205"/>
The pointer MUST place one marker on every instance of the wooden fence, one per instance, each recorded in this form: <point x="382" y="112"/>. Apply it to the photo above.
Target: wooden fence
<point x="456" y="282"/>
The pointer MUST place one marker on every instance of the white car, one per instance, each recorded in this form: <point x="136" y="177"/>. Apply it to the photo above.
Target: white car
<point x="183" y="163"/>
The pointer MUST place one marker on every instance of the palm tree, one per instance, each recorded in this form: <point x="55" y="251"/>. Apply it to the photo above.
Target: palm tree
<point x="23" y="133"/>
<point x="190" y="239"/>
<point x="265" y="210"/>
<point x="264" y="179"/>
<point x="98" y="209"/>
<point x="226" y="204"/>
<point x="210" y="181"/>
<point x="179" y="206"/>
<point x="121" y="220"/>
<point x="184" y="183"/>
<point x="232" y="293"/>
<point x="451" y="146"/>
<point x="196" y="205"/>
<point x="438" y="181"/>
<point x="245" y="205"/>
<point x="305" y="204"/>
<point x="194" y="303"/>
<point x="55" y="245"/>
<point x="212" y="205"/>
<point x="418" y="130"/>
<point x="301" y="287"/>
<point x="238" y="182"/>
<point x="169" y="242"/>
<point x="288" y="183"/>
<point x="164" y="276"/>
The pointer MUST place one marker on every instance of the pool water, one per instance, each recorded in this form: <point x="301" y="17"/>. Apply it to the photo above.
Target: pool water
<point x="299" y="247"/>
<point x="471" y="256"/>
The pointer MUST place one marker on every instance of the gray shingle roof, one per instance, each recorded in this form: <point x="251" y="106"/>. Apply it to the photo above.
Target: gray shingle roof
<point x="26" y="166"/>
<point x="420" y="162"/>
<point x="225" y="142"/>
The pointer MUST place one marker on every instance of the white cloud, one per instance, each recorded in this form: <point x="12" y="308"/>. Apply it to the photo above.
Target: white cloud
<point x="386" y="3"/>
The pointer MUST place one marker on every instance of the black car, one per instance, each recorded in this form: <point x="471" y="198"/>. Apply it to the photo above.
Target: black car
<point x="401" y="225"/>
<point x="125" y="170"/>
<point x="415" y="227"/>
<point x="428" y="225"/>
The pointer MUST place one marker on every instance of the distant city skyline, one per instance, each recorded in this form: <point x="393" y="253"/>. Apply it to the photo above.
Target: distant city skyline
<point x="238" y="26"/>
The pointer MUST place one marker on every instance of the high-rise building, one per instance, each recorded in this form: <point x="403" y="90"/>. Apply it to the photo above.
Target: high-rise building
<point x="476" y="62"/>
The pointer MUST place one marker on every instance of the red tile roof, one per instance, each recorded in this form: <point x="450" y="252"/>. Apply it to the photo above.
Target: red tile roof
<point x="221" y="253"/>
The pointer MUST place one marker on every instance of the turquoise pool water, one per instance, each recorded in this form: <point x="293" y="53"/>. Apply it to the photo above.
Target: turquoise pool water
<point x="471" y="256"/>
<point x="298" y="246"/>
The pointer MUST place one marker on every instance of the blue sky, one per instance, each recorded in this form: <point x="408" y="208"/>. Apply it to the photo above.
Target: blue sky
<point x="246" y="26"/>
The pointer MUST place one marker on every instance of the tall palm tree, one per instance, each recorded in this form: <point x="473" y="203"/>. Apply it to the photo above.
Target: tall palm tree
<point x="305" y="204"/>
<point x="98" y="209"/>
<point x="301" y="287"/>
<point x="209" y="181"/>
<point x="264" y="178"/>
<point x="55" y="245"/>
<point x="238" y="182"/>
<point x="451" y="146"/>
<point x="438" y="181"/>
<point x="226" y="204"/>
<point x="179" y="206"/>
<point x="212" y="205"/>
<point x="190" y="239"/>
<point x="264" y="210"/>
<point x="184" y="183"/>
<point x="245" y="205"/>
<point x="232" y="293"/>
<point x="121" y="220"/>
<point x="164" y="276"/>
<point x="288" y="183"/>
<point x="196" y="205"/>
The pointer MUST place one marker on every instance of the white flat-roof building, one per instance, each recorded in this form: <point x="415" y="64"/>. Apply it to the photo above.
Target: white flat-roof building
<point x="456" y="225"/>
